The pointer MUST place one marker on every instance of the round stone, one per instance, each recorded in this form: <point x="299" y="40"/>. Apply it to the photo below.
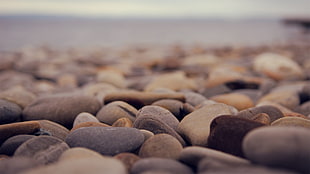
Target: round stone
<point x="106" y="140"/>
<point x="9" y="112"/>
<point x="113" y="111"/>
<point x="283" y="147"/>
<point x="61" y="109"/>
<point x="162" y="146"/>
<point x="44" y="149"/>
<point x="84" y="117"/>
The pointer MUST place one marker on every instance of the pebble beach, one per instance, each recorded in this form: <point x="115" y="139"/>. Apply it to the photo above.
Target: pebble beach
<point x="155" y="110"/>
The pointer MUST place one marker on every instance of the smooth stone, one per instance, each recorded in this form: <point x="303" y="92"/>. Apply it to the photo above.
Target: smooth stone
<point x="227" y="133"/>
<point x="174" y="106"/>
<point x="44" y="149"/>
<point x="9" y="112"/>
<point x="79" y="153"/>
<point x="16" y="165"/>
<point x="285" y="111"/>
<point x="89" y="124"/>
<point x="53" y="129"/>
<point x="174" y="81"/>
<point x="115" y="110"/>
<point x="84" y="117"/>
<point x="111" y="77"/>
<point x="67" y="81"/>
<point x="282" y="147"/>
<point x="11" y="144"/>
<point x="193" y="98"/>
<point x="147" y="134"/>
<point x="61" y="109"/>
<point x="273" y="112"/>
<point x="18" y="95"/>
<point x="262" y="118"/>
<point x="287" y="99"/>
<point x="292" y="121"/>
<point x="277" y="67"/>
<point x="160" y="165"/>
<point x="140" y="99"/>
<point x="239" y="101"/>
<point x="123" y="122"/>
<point x="161" y="146"/>
<point x="128" y="159"/>
<point x="82" y="166"/>
<point x="12" y="129"/>
<point x="158" y="120"/>
<point x="193" y="155"/>
<point x="106" y="140"/>
<point x="195" y="127"/>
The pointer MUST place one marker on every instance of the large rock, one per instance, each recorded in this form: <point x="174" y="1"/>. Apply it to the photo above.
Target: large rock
<point x="60" y="108"/>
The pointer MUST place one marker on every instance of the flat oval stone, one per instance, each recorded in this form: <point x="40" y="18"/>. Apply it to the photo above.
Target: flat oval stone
<point x="140" y="99"/>
<point x="11" y="144"/>
<point x="61" y="109"/>
<point x="12" y="129"/>
<point x="44" y="149"/>
<point x="195" y="127"/>
<point x="106" y="140"/>
<point x="239" y="101"/>
<point x="292" y="121"/>
<point x="282" y="147"/>
<point x="160" y="165"/>
<point x="80" y="166"/>
<point x="278" y="67"/>
<point x="128" y="159"/>
<point x="9" y="112"/>
<point x="273" y="112"/>
<point x="84" y="117"/>
<point x="115" y="110"/>
<point x="162" y="146"/>
<point x="158" y="120"/>
<point x="123" y="122"/>
<point x="193" y="155"/>
<point x="227" y="133"/>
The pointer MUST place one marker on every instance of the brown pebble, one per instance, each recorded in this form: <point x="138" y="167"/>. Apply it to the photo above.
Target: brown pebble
<point x="128" y="159"/>
<point x="123" y="122"/>
<point x="89" y="124"/>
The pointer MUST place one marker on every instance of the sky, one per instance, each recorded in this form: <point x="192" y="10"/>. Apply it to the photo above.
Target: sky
<point x="160" y="8"/>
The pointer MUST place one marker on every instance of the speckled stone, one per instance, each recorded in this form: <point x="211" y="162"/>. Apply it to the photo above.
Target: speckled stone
<point x="106" y="140"/>
<point x="11" y="144"/>
<point x="227" y="133"/>
<point x="283" y="147"/>
<point x="162" y="146"/>
<point x="115" y="110"/>
<point x="44" y="149"/>
<point x="84" y="117"/>
<point x="160" y="165"/>
<point x="9" y="112"/>
<point x="60" y="108"/>
<point x="158" y="120"/>
<point x="195" y="127"/>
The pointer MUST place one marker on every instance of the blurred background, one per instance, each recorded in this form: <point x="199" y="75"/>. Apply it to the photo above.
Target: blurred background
<point x="110" y="23"/>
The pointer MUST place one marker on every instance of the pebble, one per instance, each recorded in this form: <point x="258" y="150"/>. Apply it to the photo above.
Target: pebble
<point x="44" y="149"/>
<point x="115" y="110"/>
<point x="147" y="134"/>
<point x="16" y="165"/>
<point x="128" y="159"/>
<point x="195" y="127"/>
<point x="111" y="77"/>
<point x="140" y="99"/>
<point x="193" y="155"/>
<point x="53" y="129"/>
<point x="84" y="117"/>
<point x="80" y="166"/>
<point x="89" y="124"/>
<point x="251" y="113"/>
<point x="261" y="118"/>
<point x="106" y="140"/>
<point x="79" y="153"/>
<point x="277" y="67"/>
<point x="123" y="122"/>
<point x="12" y="129"/>
<point x="292" y="121"/>
<point x="176" y="107"/>
<point x="287" y="99"/>
<point x="11" y="144"/>
<point x="239" y="101"/>
<point x="158" y="120"/>
<point x="61" y="109"/>
<point x="67" y="81"/>
<point x="227" y="133"/>
<point x="194" y="98"/>
<point x="9" y="112"/>
<point x="18" y="95"/>
<point x="162" y="146"/>
<point x="280" y="147"/>
<point x="154" y="164"/>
